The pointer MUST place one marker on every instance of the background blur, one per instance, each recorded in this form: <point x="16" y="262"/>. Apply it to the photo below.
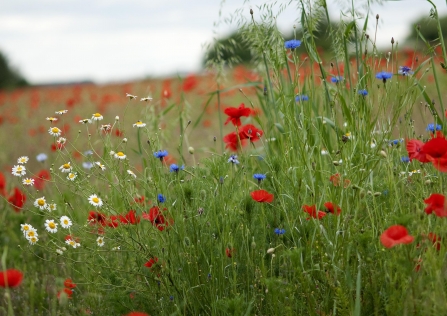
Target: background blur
<point x="52" y="41"/>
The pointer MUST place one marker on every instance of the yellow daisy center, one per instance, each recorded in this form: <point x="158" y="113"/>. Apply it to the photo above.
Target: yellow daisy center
<point x="31" y="233"/>
<point x="19" y="168"/>
<point x="66" y="166"/>
<point x="97" y="115"/>
<point x="41" y="202"/>
<point x="95" y="199"/>
<point x="71" y="242"/>
<point x="25" y="228"/>
<point x="55" y="130"/>
<point x="65" y="222"/>
<point x="120" y="153"/>
<point x="52" y="225"/>
<point x="33" y="239"/>
<point x="71" y="175"/>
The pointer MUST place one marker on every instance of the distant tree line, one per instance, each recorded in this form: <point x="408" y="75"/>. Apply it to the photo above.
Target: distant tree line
<point x="9" y="77"/>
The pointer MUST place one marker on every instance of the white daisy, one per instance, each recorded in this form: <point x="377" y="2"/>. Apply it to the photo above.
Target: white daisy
<point x="139" y="124"/>
<point x="146" y="99"/>
<point x="52" y="207"/>
<point x="112" y="153"/>
<point x="132" y="173"/>
<point x="106" y="127"/>
<point x="65" y="167"/>
<point x="72" y="243"/>
<point x="19" y="171"/>
<point x="51" y="226"/>
<point x="100" y="241"/>
<point x="116" y="248"/>
<point x="95" y="200"/>
<point x="25" y="228"/>
<point x="100" y="165"/>
<point x="97" y="117"/>
<point x="130" y="96"/>
<point x="52" y="119"/>
<point x="324" y="151"/>
<point x="72" y="175"/>
<point x="59" y="251"/>
<point x="23" y="159"/>
<point x="28" y="181"/>
<point x="33" y="240"/>
<point x="61" y="112"/>
<point x="120" y="155"/>
<point x="66" y="222"/>
<point x="61" y="140"/>
<point x="54" y="131"/>
<point x="30" y="233"/>
<point x="85" y="121"/>
<point x="41" y="203"/>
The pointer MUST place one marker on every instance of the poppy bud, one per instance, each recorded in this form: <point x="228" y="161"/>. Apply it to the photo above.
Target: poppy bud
<point x="251" y="11"/>
<point x="383" y="153"/>
<point x="392" y="40"/>
<point x="191" y="150"/>
<point x="271" y="250"/>
<point x="377" y="16"/>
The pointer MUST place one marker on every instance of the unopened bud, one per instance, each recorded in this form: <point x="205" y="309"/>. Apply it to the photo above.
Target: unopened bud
<point x="383" y="153"/>
<point x="271" y="250"/>
<point x="117" y="118"/>
<point x="392" y="40"/>
<point x="124" y="140"/>
<point x="191" y="150"/>
<point x="377" y="16"/>
<point x="377" y="194"/>
<point x="251" y="11"/>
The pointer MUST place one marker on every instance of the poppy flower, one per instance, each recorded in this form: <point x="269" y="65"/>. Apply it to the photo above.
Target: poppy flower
<point x="334" y="209"/>
<point x="436" y="152"/>
<point x="137" y="314"/>
<point x="151" y="262"/>
<point x="10" y="278"/>
<point x="434" y="239"/>
<point x="395" y="235"/>
<point x="250" y="132"/>
<point x="229" y="252"/>
<point x="157" y="219"/>
<point x="262" y="196"/>
<point x="67" y="292"/>
<point x="2" y="184"/>
<point x="436" y="203"/>
<point x="42" y="177"/>
<point x="233" y="141"/>
<point x="130" y="218"/>
<point x="312" y="211"/>
<point x="235" y="114"/>
<point x="189" y="83"/>
<point x="96" y="218"/>
<point x="68" y="283"/>
<point x="17" y="199"/>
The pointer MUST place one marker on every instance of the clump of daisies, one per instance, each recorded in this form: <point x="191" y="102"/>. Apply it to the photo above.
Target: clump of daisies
<point x="30" y="233"/>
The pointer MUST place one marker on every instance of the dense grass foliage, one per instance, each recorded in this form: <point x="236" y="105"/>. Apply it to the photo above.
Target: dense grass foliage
<point x="300" y="187"/>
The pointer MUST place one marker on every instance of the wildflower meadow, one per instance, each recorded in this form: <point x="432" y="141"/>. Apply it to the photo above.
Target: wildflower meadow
<point x="308" y="183"/>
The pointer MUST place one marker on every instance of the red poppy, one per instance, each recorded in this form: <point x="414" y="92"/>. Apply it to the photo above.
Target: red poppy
<point x="2" y="184"/>
<point x="334" y="209"/>
<point x="189" y="83"/>
<point x="395" y="235"/>
<point x="68" y="283"/>
<point x="157" y="219"/>
<point x="335" y="179"/>
<point x="229" y="252"/>
<point x="436" y="203"/>
<point x="17" y="199"/>
<point x="250" y="132"/>
<point x="235" y="114"/>
<point x="435" y="240"/>
<point x="436" y="152"/>
<point x="57" y="146"/>
<point x="139" y="200"/>
<point x="137" y="314"/>
<point x="42" y="177"/>
<point x="67" y="292"/>
<point x="112" y="221"/>
<point x="233" y="141"/>
<point x="96" y="218"/>
<point x="312" y="211"/>
<point x="262" y="196"/>
<point x="151" y="262"/>
<point x="10" y="278"/>
<point x="130" y="218"/>
<point x="414" y="149"/>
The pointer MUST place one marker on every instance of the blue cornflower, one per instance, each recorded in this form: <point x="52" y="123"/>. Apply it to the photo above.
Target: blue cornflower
<point x="384" y="75"/>
<point x="292" y="44"/>
<point x="301" y="97"/>
<point x="160" y="154"/>
<point x="87" y="165"/>
<point x="363" y="92"/>
<point x="280" y="231"/>
<point x="336" y="79"/>
<point x="161" y="198"/>
<point x="233" y="159"/>
<point x="396" y="142"/>
<point x="171" y="298"/>
<point x="259" y="177"/>
<point x="431" y="127"/>
<point x="88" y="153"/>
<point x="41" y="157"/>
<point x="175" y="168"/>
<point x="405" y="159"/>
<point x="405" y="71"/>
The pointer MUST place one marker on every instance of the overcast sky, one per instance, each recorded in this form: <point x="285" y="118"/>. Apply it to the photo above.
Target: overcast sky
<point x="113" y="40"/>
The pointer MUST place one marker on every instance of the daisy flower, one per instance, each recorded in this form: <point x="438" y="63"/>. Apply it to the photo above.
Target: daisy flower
<point x="130" y="172"/>
<point x="66" y="222"/>
<point x="85" y="121"/>
<point x="61" y="140"/>
<point x="52" y="119"/>
<point x="33" y="240"/>
<point x="28" y="181"/>
<point x="59" y="251"/>
<point x="324" y="151"/>
<point x="106" y="127"/>
<point x="139" y="124"/>
<point x="95" y="200"/>
<point x="41" y="203"/>
<point x="71" y="176"/>
<point x="120" y="155"/>
<point x="61" y="112"/>
<point x="72" y="243"/>
<point x="130" y="96"/>
<point x="51" y="226"/>
<point x="65" y="167"/>
<point x="25" y="228"/>
<point x="19" y="170"/>
<point x="30" y="233"/>
<point x="146" y="99"/>
<point x="100" y="241"/>
<point x="97" y="117"/>
<point x="52" y="207"/>
<point x="23" y="159"/>
<point x="100" y="165"/>
<point x="54" y="131"/>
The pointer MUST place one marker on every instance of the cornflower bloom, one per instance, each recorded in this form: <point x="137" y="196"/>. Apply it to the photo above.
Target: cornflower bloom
<point x="292" y="44"/>
<point x="384" y="76"/>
